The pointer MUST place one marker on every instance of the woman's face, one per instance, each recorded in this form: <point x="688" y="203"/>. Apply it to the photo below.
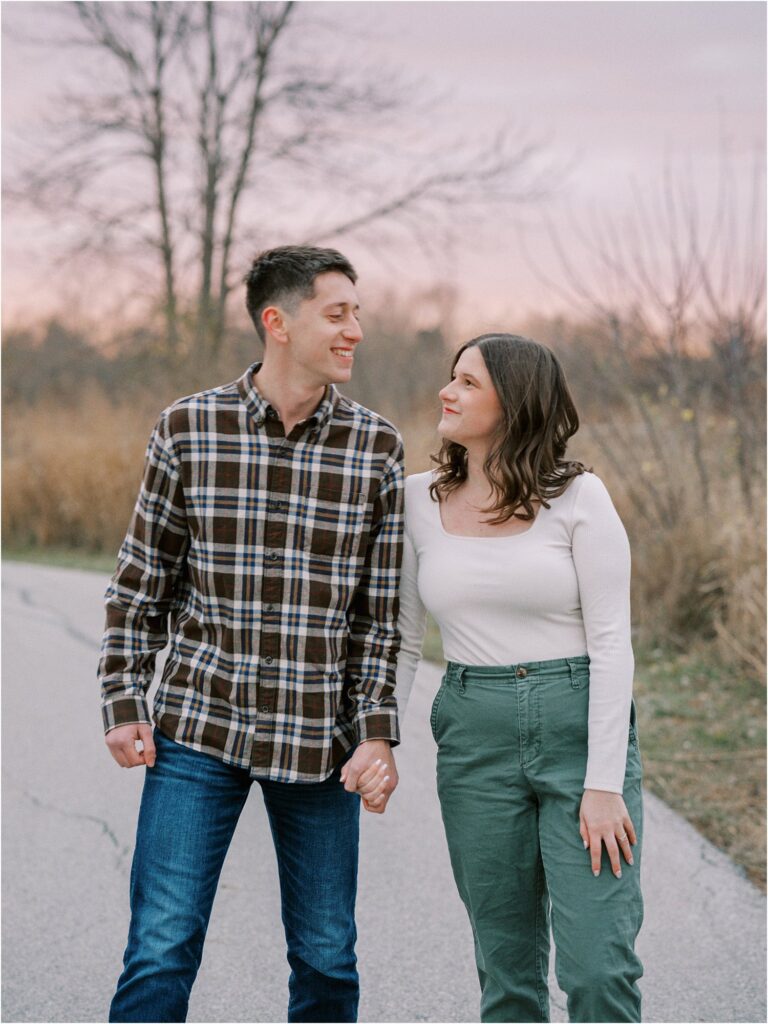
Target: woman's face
<point x="471" y="408"/>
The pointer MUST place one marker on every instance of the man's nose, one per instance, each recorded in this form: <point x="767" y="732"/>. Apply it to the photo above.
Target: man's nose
<point x="353" y="331"/>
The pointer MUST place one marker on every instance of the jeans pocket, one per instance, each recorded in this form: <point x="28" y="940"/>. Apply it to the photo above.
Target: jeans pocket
<point x="435" y="708"/>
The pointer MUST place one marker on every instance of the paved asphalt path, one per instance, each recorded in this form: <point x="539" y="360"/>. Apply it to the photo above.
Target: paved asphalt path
<point x="68" y="822"/>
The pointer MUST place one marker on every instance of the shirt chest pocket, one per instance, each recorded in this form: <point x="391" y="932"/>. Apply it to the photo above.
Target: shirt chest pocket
<point x="334" y="525"/>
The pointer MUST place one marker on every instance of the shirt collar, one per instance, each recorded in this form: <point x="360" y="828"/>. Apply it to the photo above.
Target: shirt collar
<point x="260" y="408"/>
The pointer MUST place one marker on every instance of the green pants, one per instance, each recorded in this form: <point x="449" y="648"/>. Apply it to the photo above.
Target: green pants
<point x="512" y="754"/>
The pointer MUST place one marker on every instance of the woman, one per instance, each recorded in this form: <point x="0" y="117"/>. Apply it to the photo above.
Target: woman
<point x="522" y="560"/>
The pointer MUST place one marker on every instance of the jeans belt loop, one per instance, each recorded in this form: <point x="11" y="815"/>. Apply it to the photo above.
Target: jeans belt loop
<point x="572" y="671"/>
<point x="460" y="677"/>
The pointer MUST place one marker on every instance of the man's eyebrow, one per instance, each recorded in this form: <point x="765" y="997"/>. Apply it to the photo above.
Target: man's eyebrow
<point x="333" y="305"/>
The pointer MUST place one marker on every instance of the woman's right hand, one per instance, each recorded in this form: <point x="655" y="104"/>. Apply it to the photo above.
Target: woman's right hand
<point x="604" y="820"/>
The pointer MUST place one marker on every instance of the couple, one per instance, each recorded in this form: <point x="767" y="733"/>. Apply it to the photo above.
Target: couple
<point x="269" y="533"/>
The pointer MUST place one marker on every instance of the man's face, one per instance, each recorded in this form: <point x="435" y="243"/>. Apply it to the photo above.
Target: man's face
<point x="324" y="331"/>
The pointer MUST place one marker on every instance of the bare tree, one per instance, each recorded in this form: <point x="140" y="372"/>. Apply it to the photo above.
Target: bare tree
<point x="137" y="115"/>
<point x="229" y="110"/>
<point x="265" y="24"/>
<point x="733" y="291"/>
<point x="666" y="292"/>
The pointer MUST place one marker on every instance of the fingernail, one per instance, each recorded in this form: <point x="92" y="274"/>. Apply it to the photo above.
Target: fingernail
<point x="631" y="862"/>
<point x="586" y="844"/>
<point x="595" y="873"/>
<point x="618" y="874"/>
<point x="377" y="761"/>
<point x="386" y="778"/>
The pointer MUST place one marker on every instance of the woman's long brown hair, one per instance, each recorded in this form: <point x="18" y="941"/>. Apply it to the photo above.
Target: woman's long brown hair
<point x="526" y="463"/>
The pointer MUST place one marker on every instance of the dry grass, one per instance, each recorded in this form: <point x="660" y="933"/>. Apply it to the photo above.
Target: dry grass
<point x="740" y="624"/>
<point x="699" y="575"/>
<point x="71" y="475"/>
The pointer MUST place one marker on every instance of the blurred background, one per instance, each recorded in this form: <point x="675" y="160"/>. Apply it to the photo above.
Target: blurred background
<point x="591" y="175"/>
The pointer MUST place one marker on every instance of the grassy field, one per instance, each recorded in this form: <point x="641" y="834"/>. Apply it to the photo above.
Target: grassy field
<point x="702" y="733"/>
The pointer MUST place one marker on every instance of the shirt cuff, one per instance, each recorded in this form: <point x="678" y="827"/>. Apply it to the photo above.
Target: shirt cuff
<point x="378" y="725"/>
<point x="604" y="787"/>
<point x="125" y="711"/>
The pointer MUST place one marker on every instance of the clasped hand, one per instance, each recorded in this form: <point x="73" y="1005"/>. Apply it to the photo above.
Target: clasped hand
<point x="372" y="773"/>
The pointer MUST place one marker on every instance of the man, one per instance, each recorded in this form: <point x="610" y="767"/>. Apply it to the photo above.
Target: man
<point x="268" y="530"/>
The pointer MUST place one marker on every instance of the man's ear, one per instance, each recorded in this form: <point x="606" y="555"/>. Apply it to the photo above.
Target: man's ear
<point x="273" y="321"/>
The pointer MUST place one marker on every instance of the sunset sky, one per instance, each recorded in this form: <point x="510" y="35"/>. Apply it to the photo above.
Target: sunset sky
<point x="615" y="90"/>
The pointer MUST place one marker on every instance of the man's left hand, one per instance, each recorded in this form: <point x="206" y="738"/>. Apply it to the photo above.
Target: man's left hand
<point x="372" y="773"/>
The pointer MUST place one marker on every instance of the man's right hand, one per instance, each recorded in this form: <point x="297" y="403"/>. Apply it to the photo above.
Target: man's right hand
<point x="122" y="745"/>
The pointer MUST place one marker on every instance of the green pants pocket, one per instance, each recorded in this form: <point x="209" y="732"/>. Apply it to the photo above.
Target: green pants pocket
<point x="435" y="708"/>
<point x="633" y="725"/>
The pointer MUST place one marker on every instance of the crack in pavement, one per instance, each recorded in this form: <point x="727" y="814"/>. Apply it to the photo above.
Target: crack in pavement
<point x="58" y="618"/>
<point x="106" y="830"/>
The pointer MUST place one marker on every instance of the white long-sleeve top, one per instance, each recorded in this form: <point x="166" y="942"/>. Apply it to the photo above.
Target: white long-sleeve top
<point x="558" y="590"/>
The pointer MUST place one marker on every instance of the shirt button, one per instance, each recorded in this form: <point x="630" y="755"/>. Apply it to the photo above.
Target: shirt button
<point x="272" y="556"/>
<point x="267" y="661"/>
<point x="264" y="709"/>
<point x="522" y="673"/>
<point x="269" y="608"/>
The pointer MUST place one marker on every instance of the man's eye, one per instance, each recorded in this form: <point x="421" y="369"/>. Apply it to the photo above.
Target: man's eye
<point x="335" y="316"/>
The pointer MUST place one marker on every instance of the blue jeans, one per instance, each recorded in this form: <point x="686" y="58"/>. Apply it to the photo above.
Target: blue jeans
<point x="189" y="809"/>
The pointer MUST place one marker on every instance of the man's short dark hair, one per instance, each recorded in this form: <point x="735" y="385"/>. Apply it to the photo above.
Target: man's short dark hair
<point x="286" y="276"/>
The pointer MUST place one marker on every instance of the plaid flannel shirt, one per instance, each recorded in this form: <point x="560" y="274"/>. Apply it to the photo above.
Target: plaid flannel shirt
<point x="276" y="560"/>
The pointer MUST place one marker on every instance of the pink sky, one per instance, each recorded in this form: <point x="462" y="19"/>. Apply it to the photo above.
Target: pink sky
<point x="616" y="88"/>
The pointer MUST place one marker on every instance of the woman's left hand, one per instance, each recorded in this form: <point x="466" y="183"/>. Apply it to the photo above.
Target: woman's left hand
<point x="604" y="818"/>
